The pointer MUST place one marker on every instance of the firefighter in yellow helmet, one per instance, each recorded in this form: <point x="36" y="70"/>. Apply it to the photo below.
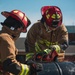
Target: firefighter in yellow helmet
<point x="16" y="22"/>
<point x="48" y="32"/>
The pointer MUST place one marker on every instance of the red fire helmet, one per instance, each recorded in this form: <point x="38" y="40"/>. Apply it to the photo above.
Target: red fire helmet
<point x="52" y="15"/>
<point x="18" y="15"/>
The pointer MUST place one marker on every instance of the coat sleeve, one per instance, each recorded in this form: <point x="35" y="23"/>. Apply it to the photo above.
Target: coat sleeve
<point x="31" y="38"/>
<point x="7" y="48"/>
<point x="64" y="40"/>
<point x="8" y="56"/>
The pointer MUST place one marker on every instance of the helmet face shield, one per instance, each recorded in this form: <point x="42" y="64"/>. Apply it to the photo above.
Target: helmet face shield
<point x="52" y="16"/>
<point x="12" y="23"/>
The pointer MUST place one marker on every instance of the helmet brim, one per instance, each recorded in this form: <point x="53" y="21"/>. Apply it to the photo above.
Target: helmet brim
<point x="18" y="15"/>
<point x="5" y="14"/>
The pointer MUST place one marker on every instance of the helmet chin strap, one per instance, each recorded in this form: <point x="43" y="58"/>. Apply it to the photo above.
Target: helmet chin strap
<point x="47" y="28"/>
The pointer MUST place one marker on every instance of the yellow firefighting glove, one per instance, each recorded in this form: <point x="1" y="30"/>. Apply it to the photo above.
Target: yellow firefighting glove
<point x="55" y="47"/>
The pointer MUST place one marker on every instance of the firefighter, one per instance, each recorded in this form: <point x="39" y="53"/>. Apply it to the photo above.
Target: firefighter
<point x="49" y="32"/>
<point x="16" y="22"/>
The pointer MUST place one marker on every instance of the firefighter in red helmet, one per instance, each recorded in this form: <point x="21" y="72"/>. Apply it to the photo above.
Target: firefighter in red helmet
<point x="49" y="32"/>
<point x="16" y="22"/>
<point x="52" y="16"/>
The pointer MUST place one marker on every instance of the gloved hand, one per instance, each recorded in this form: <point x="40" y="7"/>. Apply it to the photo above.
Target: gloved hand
<point x="38" y="56"/>
<point x="55" y="47"/>
<point x="61" y="53"/>
<point x="34" y="67"/>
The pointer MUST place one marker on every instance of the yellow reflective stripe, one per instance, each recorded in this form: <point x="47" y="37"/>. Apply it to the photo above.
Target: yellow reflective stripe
<point x="47" y="43"/>
<point x="41" y="41"/>
<point x="37" y="48"/>
<point x="47" y="51"/>
<point x="29" y="56"/>
<point x="25" y="70"/>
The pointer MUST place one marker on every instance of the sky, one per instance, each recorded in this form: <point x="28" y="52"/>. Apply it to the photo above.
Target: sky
<point x="32" y="8"/>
